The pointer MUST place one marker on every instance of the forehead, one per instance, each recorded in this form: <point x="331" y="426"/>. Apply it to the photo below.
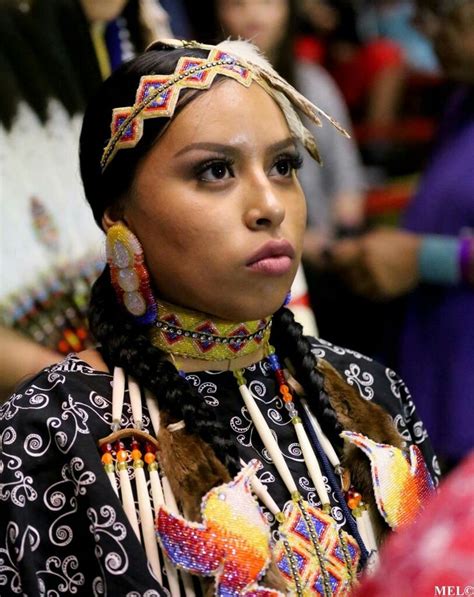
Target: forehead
<point x="229" y="111"/>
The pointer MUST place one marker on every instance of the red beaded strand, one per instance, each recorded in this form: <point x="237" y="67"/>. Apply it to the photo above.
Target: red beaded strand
<point x="282" y="385"/>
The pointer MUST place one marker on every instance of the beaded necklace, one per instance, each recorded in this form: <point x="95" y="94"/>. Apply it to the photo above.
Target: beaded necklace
<point x="190" y="334"/>
<point x="312" y="553"/>
<point x="186" y="335"/>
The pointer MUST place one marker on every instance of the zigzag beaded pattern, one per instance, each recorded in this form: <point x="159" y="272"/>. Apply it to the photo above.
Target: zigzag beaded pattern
<point x="187" y="333"/>
<point x="205" y="337"/>
<point x="139" y="107"/>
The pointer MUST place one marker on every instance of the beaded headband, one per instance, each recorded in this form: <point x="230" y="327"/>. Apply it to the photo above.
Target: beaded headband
<point x="157" y="95"/>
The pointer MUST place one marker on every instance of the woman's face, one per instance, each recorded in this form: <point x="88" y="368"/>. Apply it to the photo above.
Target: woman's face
<point x="218" y="208"/>
<point x="264" y="22"/>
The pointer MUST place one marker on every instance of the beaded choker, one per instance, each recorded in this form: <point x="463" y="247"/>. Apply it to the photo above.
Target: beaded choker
<point x="192" y="335"/>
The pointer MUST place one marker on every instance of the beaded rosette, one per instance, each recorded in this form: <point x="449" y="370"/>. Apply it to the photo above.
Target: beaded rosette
<point x="190" y="335"/>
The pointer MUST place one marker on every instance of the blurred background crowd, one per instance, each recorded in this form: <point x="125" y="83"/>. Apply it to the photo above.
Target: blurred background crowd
<point x="389" y="250"/>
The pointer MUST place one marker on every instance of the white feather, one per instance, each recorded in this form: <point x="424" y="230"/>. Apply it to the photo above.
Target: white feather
<point x="247" y="51"/>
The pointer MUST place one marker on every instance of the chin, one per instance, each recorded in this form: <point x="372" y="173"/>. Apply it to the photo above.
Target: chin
<point x="252" y="312"/>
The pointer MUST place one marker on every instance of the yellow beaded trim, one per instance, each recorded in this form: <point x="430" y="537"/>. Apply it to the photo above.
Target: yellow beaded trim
<point x="192" y="335"/>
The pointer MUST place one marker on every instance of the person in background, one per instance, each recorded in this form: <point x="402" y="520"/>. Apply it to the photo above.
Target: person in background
<point x="393" y="19"/>
<point x="431" y="256"/>
<point x="370" y="70"/>
<point x="54" y="54"/>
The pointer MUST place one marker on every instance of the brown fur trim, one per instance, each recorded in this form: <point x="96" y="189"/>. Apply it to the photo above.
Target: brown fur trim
<point x="360" y="415"/>
<point x="273" y="578"/>
<point x="357" y="413"/>
<point x="192" y="469"/>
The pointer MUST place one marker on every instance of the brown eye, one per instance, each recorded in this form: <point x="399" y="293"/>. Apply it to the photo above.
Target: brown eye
<point x="285" y="165"/>
<point x="218" y="170"/>
<point x="215" y="171"/>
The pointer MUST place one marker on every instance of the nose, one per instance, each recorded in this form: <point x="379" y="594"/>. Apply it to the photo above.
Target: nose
<point x="265" y="208"/>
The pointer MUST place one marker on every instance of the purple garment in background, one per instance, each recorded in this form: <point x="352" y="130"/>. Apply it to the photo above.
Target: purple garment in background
<point x="437" y="344"/>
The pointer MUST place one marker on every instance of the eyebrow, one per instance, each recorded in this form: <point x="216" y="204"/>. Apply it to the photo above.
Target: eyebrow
<point x="231" y="149"/>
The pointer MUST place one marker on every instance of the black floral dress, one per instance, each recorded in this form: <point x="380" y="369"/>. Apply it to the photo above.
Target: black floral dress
<point x="62" y="527"/>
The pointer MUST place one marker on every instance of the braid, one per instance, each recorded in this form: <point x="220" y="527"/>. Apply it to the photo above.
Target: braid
<point x="124" y="344"/>
<point x="288" y="338"/>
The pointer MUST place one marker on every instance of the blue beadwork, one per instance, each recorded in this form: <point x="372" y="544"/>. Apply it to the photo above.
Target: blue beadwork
<point x="274" y="362"/>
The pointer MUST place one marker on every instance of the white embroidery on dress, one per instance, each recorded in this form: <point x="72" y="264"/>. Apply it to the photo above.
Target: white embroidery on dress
<point x="18" y="402"/>
<point x="362" y="379"/>
<point x="13" y="552"/>
<point x="104" y="525"/>
<point x="61" y="574"/>
<point x="61" y="495"/>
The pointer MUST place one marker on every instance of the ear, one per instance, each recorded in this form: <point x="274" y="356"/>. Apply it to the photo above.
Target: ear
<point x="107" y="220"/>
<point x="111" y="217"/>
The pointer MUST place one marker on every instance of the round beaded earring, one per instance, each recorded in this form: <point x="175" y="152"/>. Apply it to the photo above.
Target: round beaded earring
<point x="129" y="275"/>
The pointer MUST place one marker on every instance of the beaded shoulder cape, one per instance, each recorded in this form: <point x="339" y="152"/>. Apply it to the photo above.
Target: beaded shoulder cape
<point x="66" y="527"/>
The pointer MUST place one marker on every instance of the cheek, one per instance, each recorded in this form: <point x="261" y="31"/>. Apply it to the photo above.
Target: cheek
<point x="300" y="201"/>
<point x="296" y="214"/>
<point x="168" y="238"/>
<point x="177" y="241"/>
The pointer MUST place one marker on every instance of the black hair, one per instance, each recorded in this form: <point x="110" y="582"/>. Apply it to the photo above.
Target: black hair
<point x="46" y="51"/>
<point x="123" y="342"/>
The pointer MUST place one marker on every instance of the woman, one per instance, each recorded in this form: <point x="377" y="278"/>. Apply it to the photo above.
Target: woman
<point x="197" y="190"/>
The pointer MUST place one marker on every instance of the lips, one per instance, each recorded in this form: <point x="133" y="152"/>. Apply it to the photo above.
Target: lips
<point x="273" y="258"/>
